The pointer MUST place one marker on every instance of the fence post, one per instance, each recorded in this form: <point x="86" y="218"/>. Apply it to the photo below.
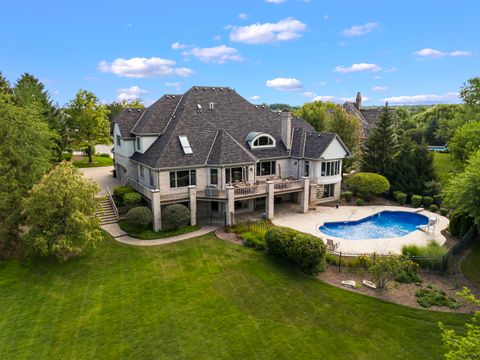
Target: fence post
<point x="340" y="263"/>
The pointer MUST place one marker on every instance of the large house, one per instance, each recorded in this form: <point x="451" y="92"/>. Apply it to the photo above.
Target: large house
<point x="220" y="155"/>
<point x="368" y="116"/>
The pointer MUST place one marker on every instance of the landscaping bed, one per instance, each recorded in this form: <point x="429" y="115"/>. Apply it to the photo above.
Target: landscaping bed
<point x="149" y="234"/>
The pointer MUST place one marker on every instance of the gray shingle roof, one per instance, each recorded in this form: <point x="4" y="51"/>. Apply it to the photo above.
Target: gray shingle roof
<point x="217" y="136"/>
<point x="368" y="116"/>
<point x="127" y="119"/>
<point x="156" y="117"/>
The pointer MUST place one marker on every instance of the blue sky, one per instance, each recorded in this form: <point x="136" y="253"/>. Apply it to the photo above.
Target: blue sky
<point x="270" y="51"/>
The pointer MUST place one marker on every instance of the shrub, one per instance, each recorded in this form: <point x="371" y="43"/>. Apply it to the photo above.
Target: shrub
<point x="455" y="224"/>
<point x="416" y="200"/>
<point x="348" y="196"/>
<point x="432" y="188"/>
<point x="427" y="201"/>
<point x="104" y="155"/>
<point x="434" y="296"/>
<point x="140" y="216"/>
<point x="433" y="208"/>
<point x="401" y="197"/>
<point x="304" y="250"/>
<point x="67" y="156"/>
<point x="466" y="224"/>
<point x="408" y="271"/>
<point x="384" y="270"/>
<point x="175" y="216"/>
<point x="428" y="257"/>
<point x="437" y="199"/>
<point x="132" y="199"/>
<point x="253" y="240"/>
<point x="360" y="202"/>
<point x="443" y="211"/>
<point x="368" y="184"/>
<point x="122" y="190"/>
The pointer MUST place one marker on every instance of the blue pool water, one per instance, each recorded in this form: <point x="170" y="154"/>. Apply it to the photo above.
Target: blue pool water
<point x="385" y="224"/>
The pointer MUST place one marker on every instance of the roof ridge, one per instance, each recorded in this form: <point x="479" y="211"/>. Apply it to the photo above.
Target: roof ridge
<point x="211" y="147"/>
<point x="241" y="146"/>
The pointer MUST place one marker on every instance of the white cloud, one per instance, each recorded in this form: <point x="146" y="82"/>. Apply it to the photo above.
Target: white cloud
<point x="359" y="30"/>
<point x="379" y="88"/>
<point x="357" y="68"/>
<point x="243" y="16"/>
<point x="433" y="53"/>
<point x="451" y="97"/>
<point x="217" y="38"/>
<point x="130" y="94"/>
<point x="285" y="84"/>
<point x="338" y="100"/>
<point x="309" y="94"/>
<point x="218" y="54"/>
<point x="178" y="46"/>
<point x="275" y="1"/>
<point x="175" y="85"/>
<point x="143" y="67"/>
<point x="255" y="97"/>
<point x="284" y="30"/>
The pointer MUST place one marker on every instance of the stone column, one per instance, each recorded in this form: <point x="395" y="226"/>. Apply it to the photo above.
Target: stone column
<point x="192" y="195"/>
<point x="270" y="201"/>
<point x="156" y="210"/>
<point x="230" y="206"/>
<point x="305" y="195"/>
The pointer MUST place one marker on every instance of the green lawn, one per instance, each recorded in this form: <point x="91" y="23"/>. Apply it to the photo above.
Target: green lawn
<point x="471" y="265"/>
<point x="197" y="299"/>
<point x="443" y="165"/>
<point x="148" y="234"/>
<point x="97" y="161"/>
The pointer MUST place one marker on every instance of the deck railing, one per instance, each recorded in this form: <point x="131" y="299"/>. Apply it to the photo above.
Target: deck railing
<point x="248" y="190"/>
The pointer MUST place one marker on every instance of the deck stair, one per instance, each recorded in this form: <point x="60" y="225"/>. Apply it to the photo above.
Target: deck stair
<point x="108" y="214"/>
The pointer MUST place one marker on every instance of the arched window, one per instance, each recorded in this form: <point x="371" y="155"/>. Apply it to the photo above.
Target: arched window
<point x="260" y="140"/>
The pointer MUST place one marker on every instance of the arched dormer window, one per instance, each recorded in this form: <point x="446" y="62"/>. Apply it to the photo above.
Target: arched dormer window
<point x="258" y="140"/>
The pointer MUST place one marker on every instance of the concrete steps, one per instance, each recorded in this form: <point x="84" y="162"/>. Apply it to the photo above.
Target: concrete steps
<point x="107" y="216"/>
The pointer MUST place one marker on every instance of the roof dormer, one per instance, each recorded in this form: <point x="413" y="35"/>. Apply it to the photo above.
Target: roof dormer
<point x="259" y="140"/>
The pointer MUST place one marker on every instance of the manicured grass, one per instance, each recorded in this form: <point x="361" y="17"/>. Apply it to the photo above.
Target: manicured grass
<point x="202" y="298"/>
<point x="470" y="266"/>
<point x="443" y="164"/>
<point x="148" y="234"/>
<point x="97" y="161"/>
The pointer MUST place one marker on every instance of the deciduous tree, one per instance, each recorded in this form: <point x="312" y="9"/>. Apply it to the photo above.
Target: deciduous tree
<point x="466" y="141"/>
<point x="470" y="91"/>
<point x="87" y="122"/>
<point x="60" y="213"/>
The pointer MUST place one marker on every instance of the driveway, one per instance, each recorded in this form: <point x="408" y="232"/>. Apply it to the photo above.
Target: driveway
<point x="102" y="176"/>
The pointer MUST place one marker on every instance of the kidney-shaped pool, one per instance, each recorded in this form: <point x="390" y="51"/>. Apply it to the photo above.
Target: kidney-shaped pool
<point x="385" y="224"/>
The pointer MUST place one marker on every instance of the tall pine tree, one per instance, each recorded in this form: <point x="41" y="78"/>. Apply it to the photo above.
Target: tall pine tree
<point x="379" y="148"/>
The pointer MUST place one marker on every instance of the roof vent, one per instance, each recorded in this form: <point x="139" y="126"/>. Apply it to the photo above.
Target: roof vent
<point x="213" y="89"/>
<point x="196" y="87"/>
<point x="211" y="105"/>
<point x="138" y="110"/>
<point x="199" y="107"/>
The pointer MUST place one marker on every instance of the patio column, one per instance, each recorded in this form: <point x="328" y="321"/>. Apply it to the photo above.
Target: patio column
<point x="156" y="210"/>
<point x="230" y="208"/>
<point x="269" y="204"/>
<point x="305" y="195"/>
<point x="192" y="195"/>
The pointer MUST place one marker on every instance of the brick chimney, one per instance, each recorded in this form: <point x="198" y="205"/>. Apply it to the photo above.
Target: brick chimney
<point x="358" y="100"/>
<point x="287" y="128"/>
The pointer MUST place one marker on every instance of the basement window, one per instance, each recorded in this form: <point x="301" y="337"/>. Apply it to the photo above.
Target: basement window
<point x="187" y="149"/>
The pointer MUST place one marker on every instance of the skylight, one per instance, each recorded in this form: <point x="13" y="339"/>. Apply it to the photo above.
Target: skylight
<point x="187" y="149"/>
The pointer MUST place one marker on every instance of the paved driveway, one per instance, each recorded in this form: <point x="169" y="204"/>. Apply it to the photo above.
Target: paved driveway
<point x="102" y="176"/>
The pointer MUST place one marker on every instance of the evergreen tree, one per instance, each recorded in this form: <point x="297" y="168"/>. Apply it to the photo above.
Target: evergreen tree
<point x="379" y="148"/>
<point x="411" y="168"/>
<point x="5" y="87"/>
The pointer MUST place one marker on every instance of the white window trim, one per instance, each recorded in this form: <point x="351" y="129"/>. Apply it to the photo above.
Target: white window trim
<point x="263" y="146"/>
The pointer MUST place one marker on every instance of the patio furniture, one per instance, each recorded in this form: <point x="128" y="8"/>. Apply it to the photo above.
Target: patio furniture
<point x="331" y="245"/>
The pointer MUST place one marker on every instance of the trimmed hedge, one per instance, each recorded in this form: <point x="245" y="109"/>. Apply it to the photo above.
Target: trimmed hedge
<point x="140" y="216"/>
<point x="122" y="190"/>
<point x="460" y="223"/>
<point x="175" y="216"/>
<point x="416" y="200"/>
<point x="433" y="208"/>
<point x="132" y="199"/>
<point x="368" y="184"/>
<point x="401" y="197"/>
<point x="304" y="250"/>
<point x="427" y="201"/>
<point x="443" y="211"/>
<point x="348" y="196"/>
<point x="438" y="199"/>
<point x="360" y="202"/>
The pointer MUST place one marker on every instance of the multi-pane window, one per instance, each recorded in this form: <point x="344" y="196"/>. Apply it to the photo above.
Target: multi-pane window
<point x="263" y="141"/>
<point x="213" y="176"/>
<point x="265" y="168"/>
<point x="234" y="174"/>
<point x="182" y="178"/>
<point x="330" y="168"/>
<point x="119" y="140"/>
<point x="328" y="190"/>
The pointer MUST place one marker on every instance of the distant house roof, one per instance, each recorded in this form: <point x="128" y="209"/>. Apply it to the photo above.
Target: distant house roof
<point x="218" y="135"/>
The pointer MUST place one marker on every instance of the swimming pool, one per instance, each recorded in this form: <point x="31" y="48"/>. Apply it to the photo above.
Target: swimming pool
<point x="385" y="224"/>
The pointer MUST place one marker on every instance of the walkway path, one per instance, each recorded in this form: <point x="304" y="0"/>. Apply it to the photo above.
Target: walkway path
<point x="121" y="236"/>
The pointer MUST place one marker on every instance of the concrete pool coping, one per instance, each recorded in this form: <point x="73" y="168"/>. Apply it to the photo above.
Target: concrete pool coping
<point x="311" y="222"/>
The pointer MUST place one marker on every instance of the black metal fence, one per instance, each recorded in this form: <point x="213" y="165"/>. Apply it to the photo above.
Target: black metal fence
<point x="438" y="264"/>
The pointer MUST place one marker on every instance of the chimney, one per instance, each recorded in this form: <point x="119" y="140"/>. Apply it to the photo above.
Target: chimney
<point x="358" y="100"/>
<point x="287" y="128"/>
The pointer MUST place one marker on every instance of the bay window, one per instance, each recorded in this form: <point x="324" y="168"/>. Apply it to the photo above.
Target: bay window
<point x="330" y="168"/>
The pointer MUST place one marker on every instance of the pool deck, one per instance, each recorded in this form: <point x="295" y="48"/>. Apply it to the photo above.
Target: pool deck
<point x="311" y="222"/>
